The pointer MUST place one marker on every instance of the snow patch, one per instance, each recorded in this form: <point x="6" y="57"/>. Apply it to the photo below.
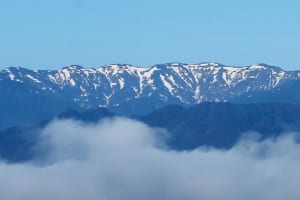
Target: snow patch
<point x="167" y="84"/>
<point x="122" y="83"/>
<point x="32" y="78"/>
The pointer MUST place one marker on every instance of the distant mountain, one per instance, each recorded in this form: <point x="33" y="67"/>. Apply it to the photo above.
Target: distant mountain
<point x="222" y="124"/>
<point x="29" y="96"/>
<point x="86" y="116"/>
<point x="218" y="125"/>
<point x="213" y="124"/>
<point x="16" y="143"/>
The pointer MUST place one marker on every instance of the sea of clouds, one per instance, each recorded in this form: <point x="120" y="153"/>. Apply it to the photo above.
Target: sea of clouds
<point x="122" y="159"/>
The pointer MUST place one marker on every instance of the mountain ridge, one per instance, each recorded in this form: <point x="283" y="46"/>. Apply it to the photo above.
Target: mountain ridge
<point x="218" y="125"/>
<point x="148" y="66"/>
<point x="128" y="89"/>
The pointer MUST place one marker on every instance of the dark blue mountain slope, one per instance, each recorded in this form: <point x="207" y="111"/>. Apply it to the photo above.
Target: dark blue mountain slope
<point x="218" y="125"/>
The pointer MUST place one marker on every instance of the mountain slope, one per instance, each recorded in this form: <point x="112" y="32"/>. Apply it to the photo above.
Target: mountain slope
<point x="222" y="124"/>
<point x="218" y="125"/>
<point x="32" y="95"/>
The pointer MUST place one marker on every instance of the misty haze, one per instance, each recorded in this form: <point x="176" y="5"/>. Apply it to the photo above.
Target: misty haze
<point x="125" y="159"/>
<point x="149" y="100"/>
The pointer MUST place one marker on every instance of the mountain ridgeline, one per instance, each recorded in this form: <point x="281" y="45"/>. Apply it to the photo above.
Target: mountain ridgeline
<point x="29" y="96"/>
<point x="218" y="125"/>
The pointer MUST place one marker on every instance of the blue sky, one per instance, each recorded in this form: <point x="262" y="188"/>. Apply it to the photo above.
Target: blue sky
<point x="55" y="33"/>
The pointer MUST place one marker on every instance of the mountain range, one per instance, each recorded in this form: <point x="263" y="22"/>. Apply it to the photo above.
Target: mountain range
<point x="29" y="96"/>
<point x="217" y="125"/>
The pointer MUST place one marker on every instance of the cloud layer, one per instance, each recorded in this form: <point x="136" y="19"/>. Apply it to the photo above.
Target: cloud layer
<point x="121" y="159"/>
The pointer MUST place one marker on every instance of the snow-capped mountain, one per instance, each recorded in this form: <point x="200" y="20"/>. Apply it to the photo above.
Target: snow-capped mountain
<point x="131" y="89"/>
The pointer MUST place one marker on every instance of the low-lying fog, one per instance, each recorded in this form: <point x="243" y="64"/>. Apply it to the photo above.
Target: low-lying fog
<point x="121" y="159"/>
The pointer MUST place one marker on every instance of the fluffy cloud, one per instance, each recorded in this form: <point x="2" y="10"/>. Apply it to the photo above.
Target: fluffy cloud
<point x="124" y="159"/>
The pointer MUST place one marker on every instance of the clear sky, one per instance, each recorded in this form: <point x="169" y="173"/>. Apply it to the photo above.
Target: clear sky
<point x="55" y="33"/>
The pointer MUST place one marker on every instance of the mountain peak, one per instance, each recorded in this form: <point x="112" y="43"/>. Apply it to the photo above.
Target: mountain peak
<point x="206" y="64"/>
<point x="73" y="67"/>
<point x="266" y="66"/>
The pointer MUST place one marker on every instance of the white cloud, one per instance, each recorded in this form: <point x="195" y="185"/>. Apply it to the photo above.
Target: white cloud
<point x="123" y="159"/>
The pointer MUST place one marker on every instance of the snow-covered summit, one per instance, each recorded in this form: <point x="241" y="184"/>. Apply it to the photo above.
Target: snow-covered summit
<point x="115" y="84"/>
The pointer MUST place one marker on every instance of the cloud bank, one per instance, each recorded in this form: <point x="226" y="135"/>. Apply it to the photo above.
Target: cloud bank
<point x="121" y="159"/>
